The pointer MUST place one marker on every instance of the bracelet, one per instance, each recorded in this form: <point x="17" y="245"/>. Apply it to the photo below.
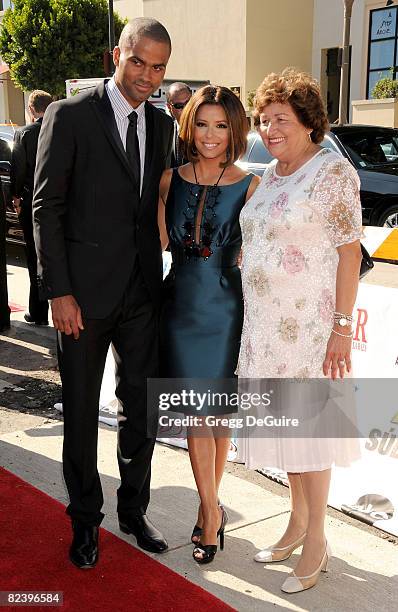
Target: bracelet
<point x="343" y="335"/>
<point x="338" y="315"/>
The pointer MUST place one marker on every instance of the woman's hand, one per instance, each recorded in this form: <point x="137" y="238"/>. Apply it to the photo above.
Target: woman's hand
<point x="338" y="353"/>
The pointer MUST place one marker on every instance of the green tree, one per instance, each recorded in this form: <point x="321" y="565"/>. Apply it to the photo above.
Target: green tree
<point x="45" y="42"/>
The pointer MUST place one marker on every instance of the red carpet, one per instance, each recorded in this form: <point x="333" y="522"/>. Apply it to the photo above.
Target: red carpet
<point x="34" y="542"/>
<point x="15" y="307"/>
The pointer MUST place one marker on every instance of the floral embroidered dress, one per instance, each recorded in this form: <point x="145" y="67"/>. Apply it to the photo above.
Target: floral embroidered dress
<point x="291" y="227"/>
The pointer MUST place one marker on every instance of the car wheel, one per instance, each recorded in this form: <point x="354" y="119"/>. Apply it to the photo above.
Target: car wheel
<point x="389" y="217"/>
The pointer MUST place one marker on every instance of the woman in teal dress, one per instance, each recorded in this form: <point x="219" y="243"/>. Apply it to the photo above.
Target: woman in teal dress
<point x="202" y="315"/>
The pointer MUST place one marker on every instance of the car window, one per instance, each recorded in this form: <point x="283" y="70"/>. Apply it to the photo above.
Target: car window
<point x="5" y="150"/>
<point x="259" y="154"/>
<point x="375" y="148"/>
<point x="390" y="150"/>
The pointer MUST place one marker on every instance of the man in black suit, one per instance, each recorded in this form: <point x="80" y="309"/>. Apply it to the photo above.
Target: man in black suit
<point x="23" y="164"/>
<point x="177" y="96"/>
<point x="101" y="155"/>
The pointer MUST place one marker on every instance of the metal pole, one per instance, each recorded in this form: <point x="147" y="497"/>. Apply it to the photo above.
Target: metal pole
<point x="111" y="26"/>
<point x="111" y="29"/>
<point x="345" y="63"/>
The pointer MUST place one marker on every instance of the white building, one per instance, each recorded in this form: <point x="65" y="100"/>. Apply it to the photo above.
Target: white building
<point x="374" y="35"/>
<point x="12" y="103"/>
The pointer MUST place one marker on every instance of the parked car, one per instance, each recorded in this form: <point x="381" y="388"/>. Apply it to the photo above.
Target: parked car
<point x="13" y="230"/>
<point x="373" y="151"/>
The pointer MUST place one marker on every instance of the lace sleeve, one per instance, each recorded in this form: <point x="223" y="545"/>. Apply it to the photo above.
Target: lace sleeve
<point x="336" y="197"/>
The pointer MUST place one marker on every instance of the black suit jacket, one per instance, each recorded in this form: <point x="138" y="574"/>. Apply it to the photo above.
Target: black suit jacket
<point x="90" y="222"/>
<point x="23" y="159"/>
<point x="177" y="160"/>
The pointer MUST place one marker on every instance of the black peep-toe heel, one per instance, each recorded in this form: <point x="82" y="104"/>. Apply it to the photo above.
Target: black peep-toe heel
<point x="208" y="551"/>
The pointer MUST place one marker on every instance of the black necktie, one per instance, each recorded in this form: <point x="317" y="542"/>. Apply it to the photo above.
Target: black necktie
<point x="132" y="147"/>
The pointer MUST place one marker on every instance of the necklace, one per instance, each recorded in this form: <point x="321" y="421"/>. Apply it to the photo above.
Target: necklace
<point x="203" y="197"/>
<point x="218" y="180"/>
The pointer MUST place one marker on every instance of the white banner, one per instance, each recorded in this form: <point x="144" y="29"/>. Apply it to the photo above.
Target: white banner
<point x="375" y="341"/>
<point x="368" y="489"/>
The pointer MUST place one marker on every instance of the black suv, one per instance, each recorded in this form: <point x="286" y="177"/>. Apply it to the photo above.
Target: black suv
<point x="373" y="151"/>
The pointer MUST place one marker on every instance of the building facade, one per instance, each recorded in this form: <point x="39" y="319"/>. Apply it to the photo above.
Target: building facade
<point x="234" y="43"/>
<point x="12" y="100"/>
<point x="237" y="42"/>
<point x="374" y="35"/>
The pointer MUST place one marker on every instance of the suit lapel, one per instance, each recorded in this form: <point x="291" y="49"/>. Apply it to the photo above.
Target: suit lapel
<point x="104" y="112"/>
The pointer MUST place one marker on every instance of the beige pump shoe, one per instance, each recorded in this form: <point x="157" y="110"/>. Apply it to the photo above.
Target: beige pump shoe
<point x="295" y="584"/>
<point x="274" y="554"/>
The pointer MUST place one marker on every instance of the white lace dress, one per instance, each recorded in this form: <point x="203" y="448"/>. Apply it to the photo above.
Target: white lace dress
<point x="291" y="227"/>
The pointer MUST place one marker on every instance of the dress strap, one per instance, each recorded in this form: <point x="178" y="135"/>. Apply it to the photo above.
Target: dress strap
<point x="248" y="181"/>
<point x="175" y="174"/>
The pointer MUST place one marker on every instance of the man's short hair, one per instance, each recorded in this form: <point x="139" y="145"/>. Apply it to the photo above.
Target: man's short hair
<point x="39" y="100"/>
<point x="176" y="88"/>
<point x="143" y="27"/>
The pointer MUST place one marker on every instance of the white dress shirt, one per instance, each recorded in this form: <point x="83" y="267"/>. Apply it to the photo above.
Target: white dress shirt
<point x="122" y="109"/>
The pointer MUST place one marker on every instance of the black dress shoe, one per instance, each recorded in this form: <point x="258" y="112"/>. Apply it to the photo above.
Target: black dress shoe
<point x="29" y="319"/>
<point x="4" y="326"/>
<point x="148" y="537"/>
<point x="84" y="549"/>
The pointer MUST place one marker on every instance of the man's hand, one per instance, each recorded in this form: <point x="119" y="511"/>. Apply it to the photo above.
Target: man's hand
<point x="16" y="202"/>
<point x="67" y="316"/>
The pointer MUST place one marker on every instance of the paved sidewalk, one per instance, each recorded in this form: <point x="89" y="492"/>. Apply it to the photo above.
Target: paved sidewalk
<point x="363" y="572"/>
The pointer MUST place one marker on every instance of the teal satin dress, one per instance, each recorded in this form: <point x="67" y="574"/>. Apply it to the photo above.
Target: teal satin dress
<point x="202" y="313"/>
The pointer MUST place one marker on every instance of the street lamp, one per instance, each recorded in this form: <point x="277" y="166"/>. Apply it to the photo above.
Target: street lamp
<point x="345" y="63"/>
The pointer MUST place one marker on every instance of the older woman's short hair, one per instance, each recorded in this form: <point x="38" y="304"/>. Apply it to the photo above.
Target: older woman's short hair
<point x="235" y="115"/>
<point x="303" y="94"/>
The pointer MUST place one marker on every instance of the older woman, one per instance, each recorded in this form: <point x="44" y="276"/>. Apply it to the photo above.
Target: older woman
<point x="301" y="260"/>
